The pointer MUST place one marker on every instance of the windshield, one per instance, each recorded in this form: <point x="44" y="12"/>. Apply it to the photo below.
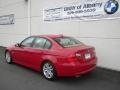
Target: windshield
<point x="67" y="41"/>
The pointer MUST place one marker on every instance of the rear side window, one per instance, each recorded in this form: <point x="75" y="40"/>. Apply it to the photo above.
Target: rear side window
<point x="47" y="44"/>
<point x="41" y="43"/>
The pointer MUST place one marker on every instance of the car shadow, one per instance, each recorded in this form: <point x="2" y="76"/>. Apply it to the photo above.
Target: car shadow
<point x="79" y="79"/>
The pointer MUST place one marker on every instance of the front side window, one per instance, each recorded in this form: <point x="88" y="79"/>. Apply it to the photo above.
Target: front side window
<point x="67" y="41"/>
<point x="27" y="42"/>
<point x="41" y="43"/>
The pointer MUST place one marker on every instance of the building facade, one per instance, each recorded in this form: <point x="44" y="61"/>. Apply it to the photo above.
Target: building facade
<point x="28" y="20"/>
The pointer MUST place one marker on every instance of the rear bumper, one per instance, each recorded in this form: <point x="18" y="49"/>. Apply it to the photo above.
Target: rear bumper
<point x="76" y="68"/>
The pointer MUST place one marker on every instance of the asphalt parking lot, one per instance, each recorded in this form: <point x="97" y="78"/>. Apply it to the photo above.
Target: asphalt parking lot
<point x="16" y="77"/>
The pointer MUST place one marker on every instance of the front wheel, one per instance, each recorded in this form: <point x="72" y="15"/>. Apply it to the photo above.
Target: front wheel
<point x="49" y="71"/>
<point x="8" y="57"/>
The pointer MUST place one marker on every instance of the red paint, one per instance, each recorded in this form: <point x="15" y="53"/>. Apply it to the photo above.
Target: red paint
<point x="64" y="59"/>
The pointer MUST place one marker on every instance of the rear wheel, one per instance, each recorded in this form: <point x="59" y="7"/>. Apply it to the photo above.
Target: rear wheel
<point x="8" y="57"/>
<point x="49" y="71"/>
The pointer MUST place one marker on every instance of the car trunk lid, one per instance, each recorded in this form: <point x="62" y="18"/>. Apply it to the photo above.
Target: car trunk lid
<point x="82" y="52"/>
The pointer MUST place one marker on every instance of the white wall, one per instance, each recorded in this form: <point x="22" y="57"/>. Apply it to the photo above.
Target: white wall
<point x="10" y="34"/>
<point x="103" y="34"/>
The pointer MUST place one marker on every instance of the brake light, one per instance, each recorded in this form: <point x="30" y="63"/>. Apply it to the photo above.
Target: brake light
<point x="71" y="57"/>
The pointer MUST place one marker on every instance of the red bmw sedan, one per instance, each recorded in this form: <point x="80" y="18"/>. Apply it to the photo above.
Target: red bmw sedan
<point x="53" y="55"/>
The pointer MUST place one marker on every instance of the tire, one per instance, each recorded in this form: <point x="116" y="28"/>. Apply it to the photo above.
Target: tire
<point x="48" y="71"/>
<point x="8" y="57"/>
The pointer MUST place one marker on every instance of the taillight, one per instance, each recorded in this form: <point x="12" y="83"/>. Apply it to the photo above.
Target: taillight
<point x="72" y="57"/>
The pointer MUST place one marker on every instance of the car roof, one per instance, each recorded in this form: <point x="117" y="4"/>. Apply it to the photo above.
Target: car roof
<point x="50" y="36"/>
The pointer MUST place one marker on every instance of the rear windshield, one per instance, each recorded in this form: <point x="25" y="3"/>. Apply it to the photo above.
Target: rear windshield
<point x="68" y="41"/>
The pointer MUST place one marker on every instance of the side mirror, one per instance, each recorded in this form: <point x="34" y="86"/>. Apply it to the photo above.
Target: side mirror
<point x="17" y="45"/>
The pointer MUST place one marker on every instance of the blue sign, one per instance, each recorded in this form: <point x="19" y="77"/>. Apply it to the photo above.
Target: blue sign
<point x="111" y="6"/>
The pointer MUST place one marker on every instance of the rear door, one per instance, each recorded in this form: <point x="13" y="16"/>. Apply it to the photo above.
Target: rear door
<point x="38" y="50"/>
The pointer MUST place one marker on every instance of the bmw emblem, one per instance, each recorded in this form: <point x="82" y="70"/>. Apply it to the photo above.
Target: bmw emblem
<point x="111" y="6"/>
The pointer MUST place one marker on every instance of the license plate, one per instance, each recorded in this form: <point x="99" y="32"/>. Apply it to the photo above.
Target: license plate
<point x="87" y="56"/>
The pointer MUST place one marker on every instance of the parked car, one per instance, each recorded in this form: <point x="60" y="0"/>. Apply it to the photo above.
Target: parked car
<point x="53" y="55"/>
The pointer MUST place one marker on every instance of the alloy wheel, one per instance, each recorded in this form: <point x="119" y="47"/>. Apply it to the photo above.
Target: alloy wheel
<point x="49" y="71"/>
<point x="8" y="57"/>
